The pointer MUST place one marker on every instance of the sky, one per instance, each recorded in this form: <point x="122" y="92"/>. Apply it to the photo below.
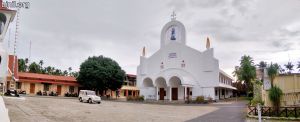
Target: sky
<point x="64" y="33"/>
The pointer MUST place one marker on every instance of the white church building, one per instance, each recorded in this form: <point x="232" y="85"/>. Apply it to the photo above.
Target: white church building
<point x="178" y="72"/>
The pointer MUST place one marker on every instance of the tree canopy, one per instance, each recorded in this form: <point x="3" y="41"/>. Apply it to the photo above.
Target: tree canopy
<point x="272" y="70"/>
<point x="101" y="73"/>
<point x="246" y="71"/>
<point x="289" y="66"/>
<point x="34" y="67"/>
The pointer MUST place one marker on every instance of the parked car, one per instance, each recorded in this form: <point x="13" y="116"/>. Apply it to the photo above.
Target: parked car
<point x="89" y="96"/>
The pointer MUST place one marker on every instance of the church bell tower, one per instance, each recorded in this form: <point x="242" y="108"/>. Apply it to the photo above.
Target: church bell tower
<point x="172" y="32"/>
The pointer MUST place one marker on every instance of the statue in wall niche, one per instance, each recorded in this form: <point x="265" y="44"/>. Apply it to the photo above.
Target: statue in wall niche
<point x="173" y="34"/>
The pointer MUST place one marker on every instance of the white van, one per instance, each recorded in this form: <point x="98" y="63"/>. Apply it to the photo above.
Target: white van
<point x="89" y="96"/>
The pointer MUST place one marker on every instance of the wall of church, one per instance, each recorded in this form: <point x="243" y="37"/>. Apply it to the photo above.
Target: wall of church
<point x="194" y="68"/>
<point x="148" y="92"/>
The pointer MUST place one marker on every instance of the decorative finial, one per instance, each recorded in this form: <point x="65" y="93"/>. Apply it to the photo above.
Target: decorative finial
<point x="173" y="16"/>
<point x="207" y="43"/>
<point x="144" y="52"/>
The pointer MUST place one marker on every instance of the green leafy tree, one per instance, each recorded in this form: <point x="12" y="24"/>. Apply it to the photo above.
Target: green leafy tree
<point x="100" y="73"/>
<point x="272" y="70"/>
<point x="75" y="74"/>
<point x="48" y="70"/>
<point x="289" y="66"/>
<point x="34" y="68"/>
<point x="65" y="73"/>
<point x="57" y="72"/>
<point x="275" y="94"/>
<point x="246" y="72"/>
<point x="22" y="65"/>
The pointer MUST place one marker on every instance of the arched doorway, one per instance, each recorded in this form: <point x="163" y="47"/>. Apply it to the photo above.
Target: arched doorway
<point x="147" y="82"/>
<point x="161" y="85"/>
<point x="175" y="84"/>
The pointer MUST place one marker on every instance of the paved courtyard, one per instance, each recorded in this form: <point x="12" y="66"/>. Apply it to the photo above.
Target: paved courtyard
<point x="39" y="109"/>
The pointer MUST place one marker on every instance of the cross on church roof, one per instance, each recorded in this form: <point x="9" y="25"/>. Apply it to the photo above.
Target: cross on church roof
<point x="173" y="16"/>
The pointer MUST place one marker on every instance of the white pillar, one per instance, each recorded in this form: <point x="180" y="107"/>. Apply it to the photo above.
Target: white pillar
<point x="157" y="96"/>
<point x="170" y="97"/>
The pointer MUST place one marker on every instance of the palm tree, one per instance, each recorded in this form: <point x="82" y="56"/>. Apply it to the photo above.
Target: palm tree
<point x="275" y="94"/>
<point x="41" y="63"/>
<point x="65" y="73"/>
<point x="262" y="65"/>
<point x="26" y="64"/>
<point x="246" y="71"/>
<point x="272" y="72"/>
<point x="281" y="70"/>
<point x="70" y="70"/>
<point x="289" y="66"/>
<point x="48" y="70"/>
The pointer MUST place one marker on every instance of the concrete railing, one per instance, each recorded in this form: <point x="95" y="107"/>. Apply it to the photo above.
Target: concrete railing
<point x="3" y="111"/>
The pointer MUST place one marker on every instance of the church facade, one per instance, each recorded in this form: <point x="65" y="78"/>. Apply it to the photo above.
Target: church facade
<point x="179" y="72"/>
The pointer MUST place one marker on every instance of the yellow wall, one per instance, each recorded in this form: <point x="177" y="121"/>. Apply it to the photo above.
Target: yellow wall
<point x="290" y="86"/>
<point x="40" y="87"/>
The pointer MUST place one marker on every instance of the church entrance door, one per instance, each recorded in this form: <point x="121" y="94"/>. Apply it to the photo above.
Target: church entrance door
<point x="174" y="93"/>
<point x="161" y="93"/>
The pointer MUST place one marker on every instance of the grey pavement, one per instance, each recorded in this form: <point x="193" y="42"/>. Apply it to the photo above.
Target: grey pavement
<point x="52" y="109"/>
<point x="233" y="112"/>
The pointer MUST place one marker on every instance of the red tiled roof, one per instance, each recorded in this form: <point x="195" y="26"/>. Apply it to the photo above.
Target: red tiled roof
<point x="25" y="75"/>
<point x="131" y="75"/>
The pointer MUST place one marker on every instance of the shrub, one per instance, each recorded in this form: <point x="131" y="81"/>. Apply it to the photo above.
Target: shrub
<point x="275" y="94"/>
<point x="200" y="99"/>
<point x="254" y="102"/>
<point x="135" y="98"/>
<point x="209" y="99"/>
<point x="129" y="98"/>
<point x="141" y="98"/>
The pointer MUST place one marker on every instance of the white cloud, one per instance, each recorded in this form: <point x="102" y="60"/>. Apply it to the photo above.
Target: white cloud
<point x="65" y="33"/>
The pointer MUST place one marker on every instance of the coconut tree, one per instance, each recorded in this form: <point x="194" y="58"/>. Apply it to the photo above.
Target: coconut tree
<point x="65" y="73"/>
<point x="246" y="72"/>
<point x="26" y="64"/>
<point x="48" y="70"/>
<point x="281" y="70"/>
<point x="262" y="65"/>
<point x="272" y="72"/>
<point x="70" y="70"/>
<point x="289" y="66"/>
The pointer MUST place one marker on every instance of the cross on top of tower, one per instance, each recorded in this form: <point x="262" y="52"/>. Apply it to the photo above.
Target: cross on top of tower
<point x="173" y="16"/>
